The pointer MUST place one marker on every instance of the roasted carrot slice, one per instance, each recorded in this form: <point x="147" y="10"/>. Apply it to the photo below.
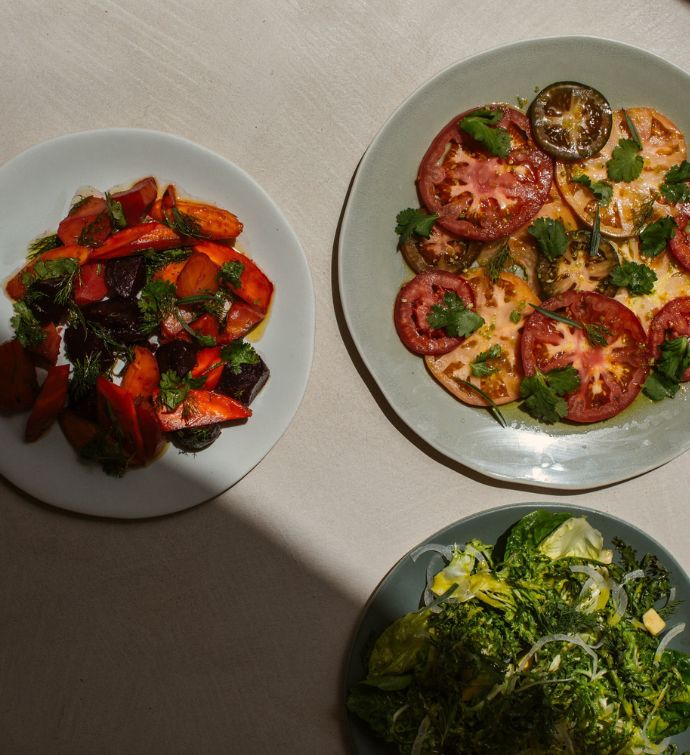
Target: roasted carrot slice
<point x="201" y="408"/>
<point x="18" y="383"/>
<point x="137" y="200"/>
<point x="135" y="239"/>
<point x="142" y="376"/>
<point x="169" y="272"/>
<point x="151" y="433"/>
<point x="90" y="285"/>
<point x="16" y="288"/>
<point x="198" y="276"/>
<point x="241" y="318"/>
<point x="45" y="353"/>
<point x="254" y="287"/>
<point x="49" y="403"/>
<point x="78" y="430"/>
<point x="206" y="325"/>
<point x="195" y="218"/>
<point x="208" y="365"/>
<point x="172" y="328"/>
<point x="91" y="211"/>
<point x="117" y="414"/>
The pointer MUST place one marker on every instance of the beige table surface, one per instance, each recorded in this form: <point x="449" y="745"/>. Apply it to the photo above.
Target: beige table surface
<point x="225" y="628"/>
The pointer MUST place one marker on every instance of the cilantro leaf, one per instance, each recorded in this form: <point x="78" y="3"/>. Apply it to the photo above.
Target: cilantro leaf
<point x="26" y="326"/>
<point x="231" y="272"/>
<point x="115" y="212"/>
<point x="65" y="270"/>
<point x="479" y="366"/>
<point x="454" y="317"/>
<point x="551" y="237"/>
<point x="675" y="186"/>
<point x="656" y="235"/>
<point x="411" y="221"/>
<point x="674" y="359"/>
<point x="175" y="389"/>
<point x="635" y="276"/>
<point x="481" y="125"/>
<point x="602" y="190"/>
<point x="158" y="300"/>
<point x="625" y="163"/>
<point x="237" y="353"/>
<point x="543" y="393"/>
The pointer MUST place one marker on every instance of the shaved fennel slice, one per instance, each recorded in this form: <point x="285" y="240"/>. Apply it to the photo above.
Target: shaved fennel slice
<point x="539" y="644"/>
<point x="673" y="632"/>
<point x="620" y="596"/>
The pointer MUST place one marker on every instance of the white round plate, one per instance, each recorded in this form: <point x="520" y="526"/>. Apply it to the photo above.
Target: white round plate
<point x="36" y="189"/>
<point x="371" y="271"/>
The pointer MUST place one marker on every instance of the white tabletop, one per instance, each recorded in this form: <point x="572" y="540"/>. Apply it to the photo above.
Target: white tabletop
<point x="225" y="628"/>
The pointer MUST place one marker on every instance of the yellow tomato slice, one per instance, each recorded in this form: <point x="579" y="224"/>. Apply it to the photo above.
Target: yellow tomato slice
<point x="500" y="303"/>
<point x="671" y="282"/>
<point x="635" y="201"/>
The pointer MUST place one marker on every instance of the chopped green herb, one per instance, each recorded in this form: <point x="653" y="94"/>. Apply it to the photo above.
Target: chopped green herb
<point x="626" y="163"/>
<point x="108" y="452"/>
<point x="515" y="316"/>
<point x="498" y="262"/>
<point x="597" y="333"/>
<point x="115" y="212"/>
<point x="664" y="381"/>
<point x="454" y="317"/>
<point x="675" y="187"/>
<point x="635" y="276"/>
<point x="65" y="269"/>
<point x="411" y="221"/>
<point x="43" y="244"/>
<point x="94" y="232"/>
<point x="26" y="327"/>
<point x="231" y="272"/>
<point x="522" y="102"/>
<point x="656" y="235"/>
<point x="634" y="136"/>
<point x="491" y="405"/>
<point x="85" y="372"/>
<point x="175" y="389"/>
<point x="551" y="237"/>
<point x="543" y="393"/>
<point x="183" y="224"/>
<point x="158" y="301"/>
<point x="602" y="190"/>
<point x="237" y="353"/>
<point x="595" y="237"/>
<point x="482" y="126"/>
<point x="155" y="260"/>
<point x="479" y="366"/>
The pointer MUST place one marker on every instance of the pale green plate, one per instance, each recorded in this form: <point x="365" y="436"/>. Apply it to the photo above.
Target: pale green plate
<point x="401" y="591"/>
<point x="371" y="271"/>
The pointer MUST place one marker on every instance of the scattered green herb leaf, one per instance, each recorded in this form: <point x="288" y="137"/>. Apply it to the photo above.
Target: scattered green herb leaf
<point x="543" y="392"/>
<point x="237" y="353"/>
<point x="675" y="187"/>
<point x="454" y="317"/>
<point x="655" y="236"/>
<point x="551" y="237"/>
<point x="635" y="276"/>
<point x="482" y="126"/>
<point x="602" y="190"/>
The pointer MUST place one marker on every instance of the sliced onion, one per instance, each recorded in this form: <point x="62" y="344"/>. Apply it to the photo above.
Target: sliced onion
<point x="421" y="736"/>
<point x="445" y="550"/>
<point x="620" y="596"/>
<point x="674" y="632"/>
<point x="539" y="644"/>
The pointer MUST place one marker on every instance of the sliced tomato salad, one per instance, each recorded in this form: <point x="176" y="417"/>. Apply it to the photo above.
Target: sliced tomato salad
<point x="586" y="277"/>
<point x="129" y="324"/>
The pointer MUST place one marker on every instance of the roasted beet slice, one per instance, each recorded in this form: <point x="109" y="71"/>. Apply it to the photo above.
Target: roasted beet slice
<point x="178" y="356"/>
<point x="42" y="302"/>
<point x="243" y="382"/>
<point x="121" y="319"/>
<point x="85" y="406"/>
<point x="125" y="277"/>
<point x="81" y="343"/>
<point x="194" y="439"/>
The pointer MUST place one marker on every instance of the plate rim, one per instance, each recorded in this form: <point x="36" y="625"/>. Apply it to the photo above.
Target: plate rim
<point x="309" y="303"/>
<point x="347" y="304"/>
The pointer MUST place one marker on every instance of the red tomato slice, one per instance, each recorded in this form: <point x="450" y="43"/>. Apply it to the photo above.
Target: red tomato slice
<point x="610" y="376"/>
<point x="679" y="245"/>
<point x="671" y="321"/>
<point x="414" y="303"/>
<point x="478" y="195"/>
